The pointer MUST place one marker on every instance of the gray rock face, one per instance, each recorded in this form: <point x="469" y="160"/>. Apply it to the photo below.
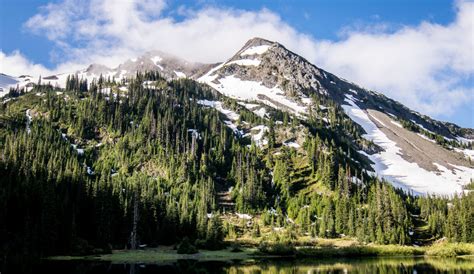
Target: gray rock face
<point x="298" y="78"/>
<point x="98" y="69"/>
<point x="169" y="66"/>
<point x="277" y="66"/>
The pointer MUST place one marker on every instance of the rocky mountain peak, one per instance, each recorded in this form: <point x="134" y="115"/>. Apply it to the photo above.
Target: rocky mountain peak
<point x="255" y="42"/>
<point x="97" y="69"/>
<point x="168" y="65"/>
<point x="266" y="71"/>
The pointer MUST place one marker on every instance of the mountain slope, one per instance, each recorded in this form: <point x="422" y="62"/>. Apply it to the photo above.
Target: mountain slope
<point x="79" y="165"/>
<point x="267" y="72"/>
<point x="407" y="148"/>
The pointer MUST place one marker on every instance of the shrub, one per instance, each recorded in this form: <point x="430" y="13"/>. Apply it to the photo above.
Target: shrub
<point x="450" y="249"/>
<point x="185" y="247"/>
<point x="283" y="248"/>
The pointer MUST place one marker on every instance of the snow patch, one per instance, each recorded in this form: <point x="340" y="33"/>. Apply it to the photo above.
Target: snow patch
<point x="291" y="144"/>
<point x="180" y="74"/>
<point x="105" y="91"/>
<point x="195" y="133"/>
<point x="421" y="126"/>
<point x="156" y="59"/>
<point x="258" y="137"/>
<point x="255" y="50"/>
<point x="80" y="151"/>
<point x="249" y="106"/>
<point x="234" y="128"/>
<point x="261" y="112"/>
<point x="243" y="216"/>
<point x="245" y="62"/>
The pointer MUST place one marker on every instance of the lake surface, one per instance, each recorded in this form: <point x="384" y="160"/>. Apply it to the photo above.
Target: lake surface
<point x="378" y="265"/>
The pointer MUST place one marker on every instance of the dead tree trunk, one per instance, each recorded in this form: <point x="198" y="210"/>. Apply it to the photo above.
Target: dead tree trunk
<point x="133" y="240"/>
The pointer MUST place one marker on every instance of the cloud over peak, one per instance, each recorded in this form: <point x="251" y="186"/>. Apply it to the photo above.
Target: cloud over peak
<point x="428" y="67"/>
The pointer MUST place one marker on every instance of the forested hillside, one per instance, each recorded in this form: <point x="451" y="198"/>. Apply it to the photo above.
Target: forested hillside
<point x="83" y="168"/>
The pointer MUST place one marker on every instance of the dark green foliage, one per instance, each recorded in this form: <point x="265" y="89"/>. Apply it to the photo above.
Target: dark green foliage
<point x="185" y="247"/>
<point x="451" y="218"/>
<point x="140" y="142"/>
<point x="160" y="151"/>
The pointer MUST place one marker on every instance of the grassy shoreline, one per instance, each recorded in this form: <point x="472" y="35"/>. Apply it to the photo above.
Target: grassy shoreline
<point x="168" y="254"/>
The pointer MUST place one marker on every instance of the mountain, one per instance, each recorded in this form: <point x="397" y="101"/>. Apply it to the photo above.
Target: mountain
<point x="408" y="156"/>
<point x="265" y="148"/>
<point x="411" y="150"/>
<point x="169" y="67"/>
<point x="290" y="80"/>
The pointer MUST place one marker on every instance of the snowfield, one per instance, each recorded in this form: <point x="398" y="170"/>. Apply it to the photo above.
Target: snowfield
<point x="390" y="165"/>
<point x="250" y="90"/>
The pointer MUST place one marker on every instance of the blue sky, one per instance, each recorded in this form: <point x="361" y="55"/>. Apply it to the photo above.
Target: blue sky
<point x="322" y="19"/>
<point x="331" y="34"/>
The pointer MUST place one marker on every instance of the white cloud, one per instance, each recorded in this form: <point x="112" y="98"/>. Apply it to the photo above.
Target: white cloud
<point x="109" y="31"/>
<point x="55" y="20"/>
<point x="15" y="64"/>
<point x="425" y="66"/>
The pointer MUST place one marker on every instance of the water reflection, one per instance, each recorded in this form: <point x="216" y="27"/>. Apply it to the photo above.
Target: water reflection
<point x="379" y="265"/>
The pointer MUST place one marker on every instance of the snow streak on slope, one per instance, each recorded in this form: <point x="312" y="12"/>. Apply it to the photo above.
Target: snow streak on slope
<point x="231" y="115"/>
<point x="390" y="165"/>
<point x="245" y="62"/>
<point x="251" y="90"/>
